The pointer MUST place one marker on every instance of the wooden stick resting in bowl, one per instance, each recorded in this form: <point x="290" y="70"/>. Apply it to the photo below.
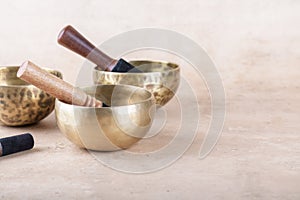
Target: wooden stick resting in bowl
<point x="53" y="85"/>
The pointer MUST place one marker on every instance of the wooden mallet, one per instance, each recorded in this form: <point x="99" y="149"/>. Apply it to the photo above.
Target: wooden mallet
<point x="73" y="40"/>
<point x="55" y="86"/>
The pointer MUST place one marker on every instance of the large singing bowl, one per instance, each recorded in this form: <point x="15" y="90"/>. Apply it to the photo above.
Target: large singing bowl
<point x="125" y="121"/>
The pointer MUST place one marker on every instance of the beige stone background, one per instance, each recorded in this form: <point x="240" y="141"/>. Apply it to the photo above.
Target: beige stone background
<point x="256" y="47"/>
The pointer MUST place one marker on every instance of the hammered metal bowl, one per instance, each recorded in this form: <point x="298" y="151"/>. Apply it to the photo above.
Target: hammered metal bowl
<point x="22" y="103"/>
<point x="127" y="119"/>
<point x="160" y="78"/>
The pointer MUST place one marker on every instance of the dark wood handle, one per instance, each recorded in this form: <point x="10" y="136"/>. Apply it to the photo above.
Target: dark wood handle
<point x="55" y="86"/>
<point x="73" y="40"/>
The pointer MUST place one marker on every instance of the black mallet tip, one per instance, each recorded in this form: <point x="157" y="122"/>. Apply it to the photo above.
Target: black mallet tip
<point x="16" y="144"/>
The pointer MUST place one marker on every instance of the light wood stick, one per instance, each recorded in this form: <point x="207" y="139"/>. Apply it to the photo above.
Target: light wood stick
<point x="53" y="85"/>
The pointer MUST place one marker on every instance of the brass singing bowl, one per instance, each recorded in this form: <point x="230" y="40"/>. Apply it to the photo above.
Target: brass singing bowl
<point x="127" y="119"/>
<point x="20" y="102"/>
<point x="160" y="78"/>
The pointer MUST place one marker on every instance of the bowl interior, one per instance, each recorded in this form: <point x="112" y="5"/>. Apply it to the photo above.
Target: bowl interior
<point x="118" y="95"/>
<point x="147" y="66"/>
<point x="8" y="76"/>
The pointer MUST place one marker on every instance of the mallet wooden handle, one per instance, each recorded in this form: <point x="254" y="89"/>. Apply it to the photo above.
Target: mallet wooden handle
<point x="73" y="40"/>
<point x="53" y="85"/>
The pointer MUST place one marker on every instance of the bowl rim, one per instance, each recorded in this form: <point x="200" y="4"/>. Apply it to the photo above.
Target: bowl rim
<point x="176" y="68"/>
<point x="28" y="85"/>
<point x="150" y="98"/>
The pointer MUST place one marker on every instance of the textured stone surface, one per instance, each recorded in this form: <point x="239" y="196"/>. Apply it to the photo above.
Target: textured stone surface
<point x="255" y="45"/>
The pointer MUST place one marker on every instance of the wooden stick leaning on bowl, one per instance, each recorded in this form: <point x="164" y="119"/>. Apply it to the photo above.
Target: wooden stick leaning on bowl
<point x="73" y="40"/>
<point x="56" y="87"/>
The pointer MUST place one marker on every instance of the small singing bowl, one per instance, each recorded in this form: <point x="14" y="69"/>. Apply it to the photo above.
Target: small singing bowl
<point x="160" y="78"/>
<point x="20" y="102"/>
<point x="125" y="121"/>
